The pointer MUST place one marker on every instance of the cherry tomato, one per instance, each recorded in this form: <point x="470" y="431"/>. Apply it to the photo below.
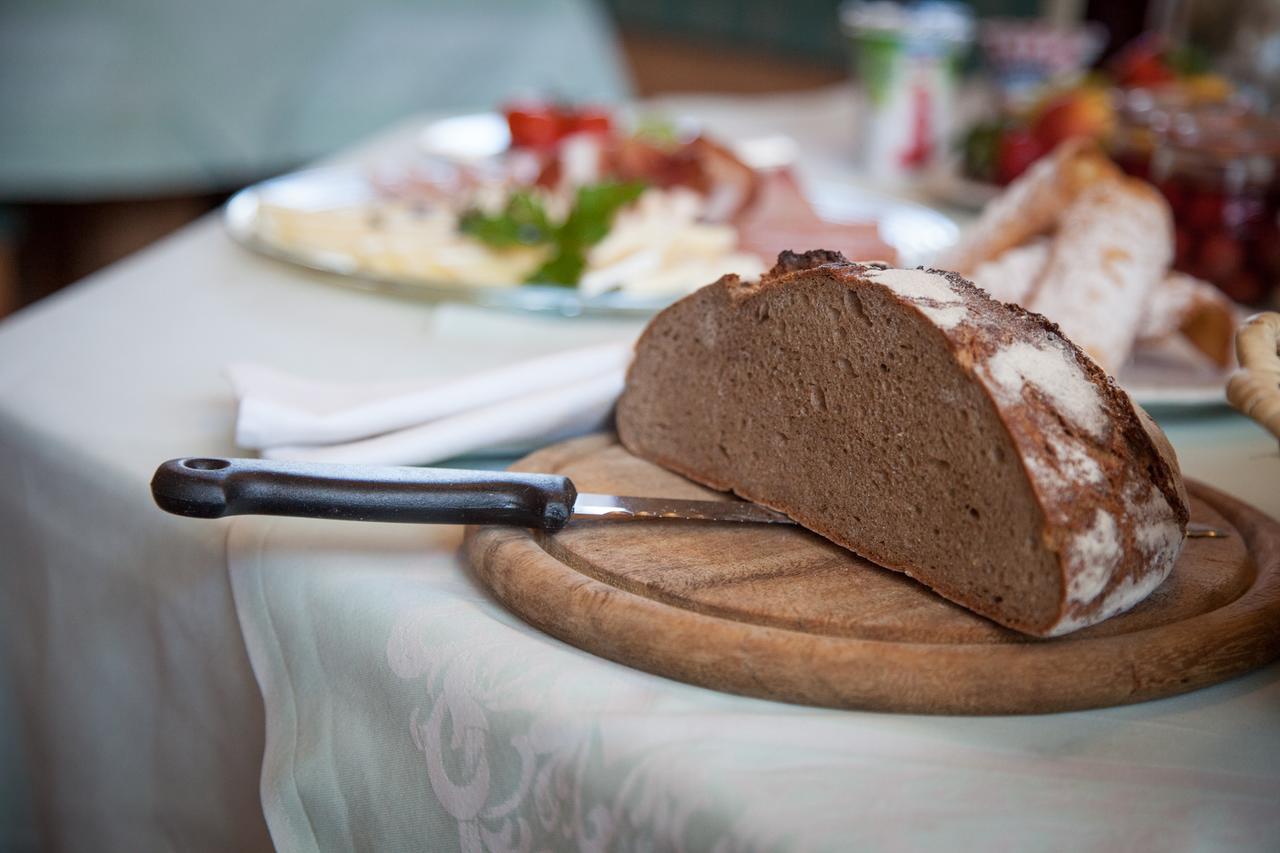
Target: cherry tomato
<point x="588" y="120"/>
<point x="533" y="126"/>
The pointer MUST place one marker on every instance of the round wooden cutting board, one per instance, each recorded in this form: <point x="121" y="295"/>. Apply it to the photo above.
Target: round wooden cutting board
<point x="778" y="612"/>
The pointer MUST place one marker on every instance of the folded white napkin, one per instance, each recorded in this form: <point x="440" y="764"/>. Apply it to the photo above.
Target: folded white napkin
<point x="510" y="408"/>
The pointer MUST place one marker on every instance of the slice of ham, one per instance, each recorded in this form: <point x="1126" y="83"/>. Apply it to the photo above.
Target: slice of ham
<point x="732" y="186"/>
<point x="782" y="219"/>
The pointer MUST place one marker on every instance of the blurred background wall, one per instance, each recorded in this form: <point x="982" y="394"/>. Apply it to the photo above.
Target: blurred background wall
<point x="745" y="45"/>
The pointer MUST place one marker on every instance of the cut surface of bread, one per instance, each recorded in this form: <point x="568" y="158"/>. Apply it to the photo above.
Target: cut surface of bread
<point x="907" y="416"/>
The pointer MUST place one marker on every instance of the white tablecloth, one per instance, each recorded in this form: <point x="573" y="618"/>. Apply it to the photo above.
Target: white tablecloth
<point x="177" y="683"/>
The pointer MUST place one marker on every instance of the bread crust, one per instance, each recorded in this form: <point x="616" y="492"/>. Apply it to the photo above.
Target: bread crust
<point x="1104" y="484"/>
<point x="1113" y="246"/>
<point x="1032" y="204"/>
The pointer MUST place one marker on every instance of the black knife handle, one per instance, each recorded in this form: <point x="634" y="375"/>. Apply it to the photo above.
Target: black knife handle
<point x="211" y="488"/>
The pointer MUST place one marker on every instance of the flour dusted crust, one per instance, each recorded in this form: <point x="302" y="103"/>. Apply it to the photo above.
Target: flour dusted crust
<point x="1078" y="241"/>
<point x="1108" y="501"/>
<point x="1180" y="307"/>
<point x="1032" y="204"/>
<point x="1113" y="246"/>
<point x="1012" y="275"/>
<point x="1117" y="529"/>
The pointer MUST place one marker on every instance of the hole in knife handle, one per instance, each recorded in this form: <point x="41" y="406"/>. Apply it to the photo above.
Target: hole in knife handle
<point x="206" y="464"/>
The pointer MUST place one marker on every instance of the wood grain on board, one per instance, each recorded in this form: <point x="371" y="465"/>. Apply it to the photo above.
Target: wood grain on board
<point x="781" y="613"/>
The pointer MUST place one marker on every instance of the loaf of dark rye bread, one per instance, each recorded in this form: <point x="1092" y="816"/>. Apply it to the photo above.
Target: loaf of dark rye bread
<point x="909" y="417"/>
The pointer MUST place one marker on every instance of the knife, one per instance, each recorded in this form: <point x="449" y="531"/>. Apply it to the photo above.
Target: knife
<point x="212" y="488"/>
<point x="204" y="487"/>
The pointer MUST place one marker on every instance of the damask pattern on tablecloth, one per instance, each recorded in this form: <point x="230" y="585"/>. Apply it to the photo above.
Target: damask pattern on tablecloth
<point x="406" y="709"/>
<point x="518" y="771"/>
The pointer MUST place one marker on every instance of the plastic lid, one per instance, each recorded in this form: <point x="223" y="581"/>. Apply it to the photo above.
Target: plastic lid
<point x="937" y="20"/>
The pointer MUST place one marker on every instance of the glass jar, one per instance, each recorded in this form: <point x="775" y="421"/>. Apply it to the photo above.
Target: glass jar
<point x="906" y="59"/>
<point x="1218" y="166"/>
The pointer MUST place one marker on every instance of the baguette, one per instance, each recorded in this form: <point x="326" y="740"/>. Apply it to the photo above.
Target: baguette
<point x="1113" y="247"/>
<point x="1200" y="313"/>
<point x="1032" y="204"/>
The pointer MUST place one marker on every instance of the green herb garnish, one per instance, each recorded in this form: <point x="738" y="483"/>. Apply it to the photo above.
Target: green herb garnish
<point x="524" y="222"/>
<point x="587" y="224"/>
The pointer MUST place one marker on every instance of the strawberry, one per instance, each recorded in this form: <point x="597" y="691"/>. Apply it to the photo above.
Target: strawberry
<point x="1016" y="150"/>
<point x="1146" y="72"/>
<point x="1143" y="63"/>
<point x="1085" y="111"/>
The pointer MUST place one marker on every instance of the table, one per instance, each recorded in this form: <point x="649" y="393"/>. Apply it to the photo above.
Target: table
<point x="176" y="683"/>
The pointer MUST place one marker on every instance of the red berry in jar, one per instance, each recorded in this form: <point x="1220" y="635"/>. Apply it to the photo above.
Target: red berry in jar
<point x="1242" y="213"/>
<point x="1173" y="193"/>
<point x="1139" y="167"/>
<point x="1266" y="251"/>
<point x="1203" y="210"/>
<point x="1245" y="286"/>
<point x="1183" y="247"/>
<point x="1219" y="258"/>
<point x="1218" y="165"/>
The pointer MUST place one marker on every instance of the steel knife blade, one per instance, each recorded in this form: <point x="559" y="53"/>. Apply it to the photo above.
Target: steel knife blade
<point x="589" y="506"/>
<point x="621" y="508"/>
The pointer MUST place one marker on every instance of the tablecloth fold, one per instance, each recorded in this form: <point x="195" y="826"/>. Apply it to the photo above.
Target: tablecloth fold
<point x="514" y="407"/>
